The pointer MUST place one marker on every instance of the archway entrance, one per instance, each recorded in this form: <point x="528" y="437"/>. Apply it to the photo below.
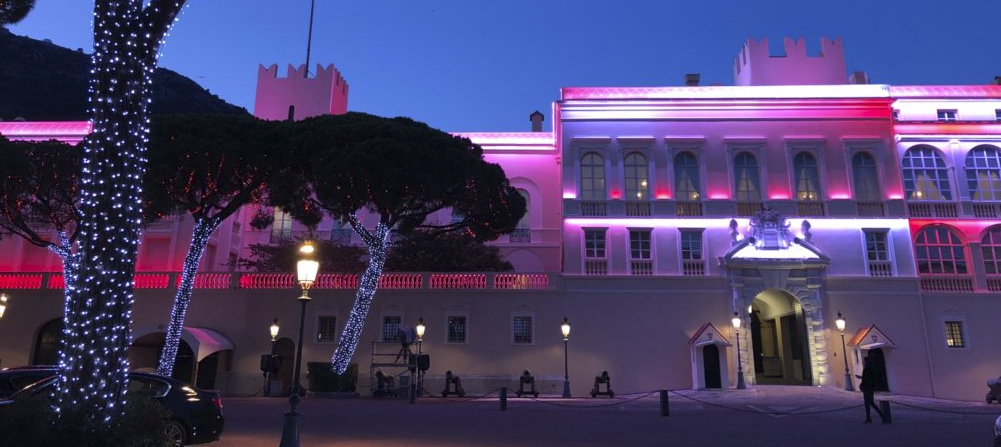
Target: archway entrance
<point x="47" y="342"/>
<point x="710" y="367"/>
<point x="780" y="347"/>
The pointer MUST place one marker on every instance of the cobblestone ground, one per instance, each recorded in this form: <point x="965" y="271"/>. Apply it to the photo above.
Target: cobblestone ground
<point x="763" y="416"/>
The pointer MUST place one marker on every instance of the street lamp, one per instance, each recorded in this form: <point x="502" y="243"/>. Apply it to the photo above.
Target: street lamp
<point x="740" y="367"/>
<point x="268" y="375"/>
<point x="565" y="327"/>
<point x="420" y="340"/>
<point x="840" y="323"/>
<point x="306" y="270"/>
<point x="3" y="304"/>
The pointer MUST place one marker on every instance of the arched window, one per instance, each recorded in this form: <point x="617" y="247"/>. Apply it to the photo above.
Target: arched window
<point x="990" y="246"/>
<point x="637" y="177"/>
<point x="940" y="251"/>
<point x="866" y="178"/>
<point x="686" y="177"/>
<point x="983" y="173"/>
<point x="525" y="221"/>
<point x="807" y="177"/>
<point x="592" y="177"/>
<point x="925" y="175"/>
<point x="746" y="178"/>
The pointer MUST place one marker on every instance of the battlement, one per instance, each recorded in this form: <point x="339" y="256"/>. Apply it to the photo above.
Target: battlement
<point x="297" y="95"/>
<point x="756" y="66"/>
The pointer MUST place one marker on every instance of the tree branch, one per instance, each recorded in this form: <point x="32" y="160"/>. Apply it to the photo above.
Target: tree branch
<point x="159" y="15"/>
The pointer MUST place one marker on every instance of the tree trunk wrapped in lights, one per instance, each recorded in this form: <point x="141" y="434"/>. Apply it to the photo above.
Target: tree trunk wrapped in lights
<point x="98" y="311"/>
<point x="207" y="167"/>
<point x="400" y="171"/>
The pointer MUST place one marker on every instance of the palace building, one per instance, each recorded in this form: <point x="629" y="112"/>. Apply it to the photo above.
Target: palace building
<point x="654" y="215"/>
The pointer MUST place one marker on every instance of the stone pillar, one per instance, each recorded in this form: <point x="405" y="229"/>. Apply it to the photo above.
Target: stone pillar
<point x="814" y="317"/>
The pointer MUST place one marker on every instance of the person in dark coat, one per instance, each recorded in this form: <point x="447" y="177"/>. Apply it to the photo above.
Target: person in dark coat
<point x="868" y="388"/>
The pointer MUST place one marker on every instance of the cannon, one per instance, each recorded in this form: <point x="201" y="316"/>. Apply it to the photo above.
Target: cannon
<point x="526" y="380"/>
<point x="453" y="385"/>
<point x="602" y="379"/>
<point x="994" y="395"/>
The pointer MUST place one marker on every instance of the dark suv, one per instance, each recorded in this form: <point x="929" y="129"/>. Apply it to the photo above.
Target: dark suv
<point x="195" y="415"/>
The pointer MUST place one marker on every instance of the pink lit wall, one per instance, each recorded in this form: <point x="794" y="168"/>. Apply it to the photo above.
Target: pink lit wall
<point x="325" y="92"/>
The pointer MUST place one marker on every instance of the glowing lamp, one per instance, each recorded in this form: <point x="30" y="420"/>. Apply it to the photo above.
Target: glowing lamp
<point x="565" y="327"/>
<point x="3" y="304"/>
<point x="840" y="323"/>
<point x="750" y="308"/>
<point x="307" y="267"/>
<point x="735" y="321"/>
<point x="420" y="329"/>
<point x="274" y="329"/>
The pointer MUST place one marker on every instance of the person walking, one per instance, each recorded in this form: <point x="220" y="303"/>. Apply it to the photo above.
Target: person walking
<point x="868" y="388"/>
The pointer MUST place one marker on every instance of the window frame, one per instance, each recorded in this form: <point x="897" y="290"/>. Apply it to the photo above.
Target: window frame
<point x="941" y="173"/>
<point x="756" y="155"/>
<point x="877" y="168"/>
<point x="699" y="190"/>
<point x="681" y="244"/>
<point x="522" y="314"/>
<point x="382" y="326"/>
<point x="818" y="170"/>
<point x="951" y="232"/>
<point x="599" y="194"/>
<point x="316" y="332"/>
<point x="649" y="241"/>
<point x="947" y="115"/>
<point x="960" y="323"/>
<point x="448" y="327"/>
<point x="972" y="178"/>
<point x="604" y="242"/>
<point x="643" y="169"/>
<point x="995" y="248"/>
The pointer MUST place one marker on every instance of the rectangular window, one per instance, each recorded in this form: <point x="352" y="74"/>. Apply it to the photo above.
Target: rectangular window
<point x="521" y="330"/>
<point x="691" y="245"/>
<point x="456" y="329"/>
<point x="997" y="114"/>
<point x="594" y="243"/>
<point x="639" y="244"/>
<point x="326" y="329"/>
<point x="954" y="334"/>
<point x="946" y="115"/>
<point x="281" y="226"/>
<point x="391" y="327"/>
<point x="875" y="245"/>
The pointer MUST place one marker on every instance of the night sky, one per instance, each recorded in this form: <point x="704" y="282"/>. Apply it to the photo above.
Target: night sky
<point x="479" y="65"/>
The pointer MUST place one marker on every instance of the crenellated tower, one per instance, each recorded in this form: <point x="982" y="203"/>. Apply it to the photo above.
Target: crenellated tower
<point x="756" y="66"/>
<point x="299" y="96"/>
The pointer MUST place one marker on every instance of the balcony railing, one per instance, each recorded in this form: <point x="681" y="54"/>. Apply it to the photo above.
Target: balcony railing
<point x="943" y="283"/>
<point x="693" y="267"/>
<point x="638" y="209"/>
<point x="593" y="209"/>
<point x="748" y="209"/>
<point x="641" y="267"/>
<point x="870" y="209"/>
<point x="985" y="210"/>
<point x="596" y="267"/>
<point x="880" y="268"/>
<point x="810" y="209"/>
<point x="943" y="209"/>
<point x="994" y="284"/>
<point x="520" y="235"/>
<point x="688" y="209"/>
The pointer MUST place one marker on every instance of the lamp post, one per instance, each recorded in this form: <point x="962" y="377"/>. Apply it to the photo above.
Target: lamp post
<point x="740" y="367"/>
<point x="840" y="323"/>
<point x="3" y="304"/>
<point x="268" y="375"/>
<point x="565" y="327"/>
<point x="420" y="340"/>
<point x="306" y="270"/>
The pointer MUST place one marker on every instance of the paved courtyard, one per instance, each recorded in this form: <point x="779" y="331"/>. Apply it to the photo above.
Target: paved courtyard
<point x="765" y="415"/>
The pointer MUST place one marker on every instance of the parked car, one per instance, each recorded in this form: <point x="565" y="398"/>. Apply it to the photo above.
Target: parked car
<point x="195" y="415"/>
<point x="997" y="432"/>
<point x="15" y="379"/>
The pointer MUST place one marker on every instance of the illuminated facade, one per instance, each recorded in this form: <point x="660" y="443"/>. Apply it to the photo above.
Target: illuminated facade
<point x="654" y="214"/>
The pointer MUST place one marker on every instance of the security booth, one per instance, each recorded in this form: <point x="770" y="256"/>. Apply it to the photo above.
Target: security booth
<point x="871" y="342"/>
<point x="709" y="360"/>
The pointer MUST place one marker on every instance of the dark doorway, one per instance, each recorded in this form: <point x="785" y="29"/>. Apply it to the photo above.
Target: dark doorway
<point x="285" y="348"/>
<point x="144" y="355"/>
<point x="207" y="369"/>
<point x="878" y="366"/>
<point x="710" y="366"/>
<point x="50" y="336"/>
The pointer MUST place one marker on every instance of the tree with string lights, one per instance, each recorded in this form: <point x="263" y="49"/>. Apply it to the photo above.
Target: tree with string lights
<point x="206" y="167"/>
<point x="398" y="172"/>
<point x="98" y="312"/>
<point x="39" y="196"/>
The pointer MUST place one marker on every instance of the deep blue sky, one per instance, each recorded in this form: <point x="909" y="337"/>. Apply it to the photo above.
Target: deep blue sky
<point x="480" y="65"/>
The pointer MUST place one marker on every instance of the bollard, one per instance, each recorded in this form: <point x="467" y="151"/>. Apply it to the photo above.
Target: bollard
<point x="503" y="399"/>
<point x="664" y="409"/>
<point x="884" y="406"/>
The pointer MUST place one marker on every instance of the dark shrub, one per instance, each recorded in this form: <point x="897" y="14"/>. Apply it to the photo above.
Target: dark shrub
<point x="322" y="378"/>
<point x="32" y="423"/>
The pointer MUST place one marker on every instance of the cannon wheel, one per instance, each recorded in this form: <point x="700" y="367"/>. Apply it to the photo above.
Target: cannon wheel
<point x="611" y="394"/>
<point x="991" y="398"/>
